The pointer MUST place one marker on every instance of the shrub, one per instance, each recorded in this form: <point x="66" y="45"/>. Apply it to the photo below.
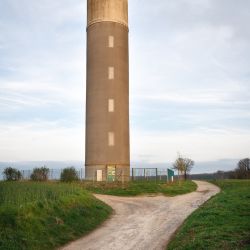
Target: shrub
<point x="12" y="174"/>
<point x="69" y="175"/>
<point x="40" y="174"/>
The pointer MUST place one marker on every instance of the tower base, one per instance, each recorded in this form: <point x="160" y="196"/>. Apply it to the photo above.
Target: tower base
<point x="108" y="173"/>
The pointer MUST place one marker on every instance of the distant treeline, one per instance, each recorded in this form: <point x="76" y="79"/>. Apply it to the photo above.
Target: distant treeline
<point x="41" y="174"/>
<point x="241" y="172"/>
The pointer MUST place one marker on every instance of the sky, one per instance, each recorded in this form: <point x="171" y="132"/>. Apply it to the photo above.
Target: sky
<point x="189" y="80"/>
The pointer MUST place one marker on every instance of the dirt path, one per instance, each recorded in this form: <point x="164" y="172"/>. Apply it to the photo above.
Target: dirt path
<point x="145" y="222"/>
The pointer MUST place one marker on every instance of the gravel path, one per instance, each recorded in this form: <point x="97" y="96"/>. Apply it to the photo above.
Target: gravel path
<point x="145" y="222"/>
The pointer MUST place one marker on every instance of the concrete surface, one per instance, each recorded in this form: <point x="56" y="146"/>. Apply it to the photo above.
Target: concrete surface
<point x="107" y="79"/>
<point x="108" y="11"/>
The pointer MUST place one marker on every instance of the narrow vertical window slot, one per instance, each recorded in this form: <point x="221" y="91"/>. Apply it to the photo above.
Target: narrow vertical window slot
<point x="111" y="42"/>
<point x="111" y="105"/>
<point x="111" y="138"/>
<point x="111" y="73"/>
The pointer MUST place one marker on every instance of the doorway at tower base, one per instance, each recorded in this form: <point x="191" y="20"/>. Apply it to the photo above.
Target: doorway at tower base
<point x="108" y="173"/>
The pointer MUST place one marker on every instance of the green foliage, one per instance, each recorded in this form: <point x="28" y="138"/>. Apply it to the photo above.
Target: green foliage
<point x="140" y="187"/>
<point x="46" y="215"/>
<point x="183" y="165"/>
<point x="40" y="174"/>
<point x="12" y="174"/>
<point x="69" y="175"/>
<point x="221" y="223"/>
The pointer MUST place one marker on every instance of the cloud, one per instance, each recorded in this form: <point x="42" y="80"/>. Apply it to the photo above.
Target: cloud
<point x="189" y="79"/>
<point x="42" y="62"/>
<point x="41" y="140"/>
<point x="201" y="145"/>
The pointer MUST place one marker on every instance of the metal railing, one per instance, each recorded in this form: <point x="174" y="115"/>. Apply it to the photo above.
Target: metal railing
<point x="53" y="175"/>
<point x="158" y="174"/>
<point x="136" y="174"/>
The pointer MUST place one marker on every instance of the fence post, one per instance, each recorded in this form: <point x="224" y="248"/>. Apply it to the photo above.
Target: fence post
<point x="122" y="179"/>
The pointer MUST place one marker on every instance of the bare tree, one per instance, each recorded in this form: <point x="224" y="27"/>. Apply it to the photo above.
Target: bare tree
<point x="183" y="166"/>
<point x="243" y="169"/>
<point x="244" y="164"/>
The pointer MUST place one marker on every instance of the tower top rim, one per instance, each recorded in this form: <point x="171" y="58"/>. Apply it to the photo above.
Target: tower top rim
<point x="107" y="10"/>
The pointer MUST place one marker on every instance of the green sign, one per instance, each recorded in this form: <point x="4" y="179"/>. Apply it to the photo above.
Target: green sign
<point x="170" y="175"/>
<point x="111" y="173"/>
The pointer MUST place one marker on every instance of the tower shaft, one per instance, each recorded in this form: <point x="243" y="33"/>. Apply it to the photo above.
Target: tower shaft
<point x="107" y="104"/>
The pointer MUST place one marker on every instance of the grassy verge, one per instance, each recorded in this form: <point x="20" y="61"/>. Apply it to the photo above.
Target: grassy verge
<point x="141" y="188"/>
<point x="46" y="215"/>
<point x="221" y="223"/>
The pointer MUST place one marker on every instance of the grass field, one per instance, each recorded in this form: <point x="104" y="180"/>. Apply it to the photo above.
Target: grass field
<point x="46" y="215"/>
<point x="221" y="223"/>
<point x="140" y="188"/>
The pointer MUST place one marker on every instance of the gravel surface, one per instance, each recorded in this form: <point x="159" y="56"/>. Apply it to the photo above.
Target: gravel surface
<point x="144" y="222"/>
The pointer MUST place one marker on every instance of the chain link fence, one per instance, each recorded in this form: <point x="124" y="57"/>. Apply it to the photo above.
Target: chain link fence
<point x="53" y="175"/>
<point x="136" y="174"/>
<point x="149" y="174"/>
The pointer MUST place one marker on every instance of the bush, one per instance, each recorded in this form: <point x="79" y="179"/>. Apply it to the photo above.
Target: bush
<point x="69" y="175"/>
<point x="40" y="174"/>
<point x="12" y="174"/>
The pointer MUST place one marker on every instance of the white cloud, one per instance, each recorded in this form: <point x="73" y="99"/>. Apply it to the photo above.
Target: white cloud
<point x="40" y="93"/>
<point x="189" y="79"/>
<point x="41" y="140"/>
<point x="200" y="145"/>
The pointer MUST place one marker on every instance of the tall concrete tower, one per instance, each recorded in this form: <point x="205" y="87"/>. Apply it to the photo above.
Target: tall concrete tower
<point x="107" y="111"/>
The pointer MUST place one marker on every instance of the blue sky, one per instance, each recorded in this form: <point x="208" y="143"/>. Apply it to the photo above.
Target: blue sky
<point x="189" y="79"/>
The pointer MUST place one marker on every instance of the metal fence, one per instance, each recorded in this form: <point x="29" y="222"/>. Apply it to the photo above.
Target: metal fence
<point x="136" y="174"/>
<point x="158" y="174"/>
<point x="53" y="175"/>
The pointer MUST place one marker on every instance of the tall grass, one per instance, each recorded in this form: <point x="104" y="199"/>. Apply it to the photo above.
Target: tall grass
<point x="46" y="215"/>
<point x="21" y="193"/>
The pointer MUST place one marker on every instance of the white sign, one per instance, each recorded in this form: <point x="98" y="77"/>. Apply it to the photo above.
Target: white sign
<point x="99" y="175"/>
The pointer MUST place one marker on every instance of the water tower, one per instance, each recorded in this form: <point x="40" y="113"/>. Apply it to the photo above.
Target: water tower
<point x="107" y="154"/>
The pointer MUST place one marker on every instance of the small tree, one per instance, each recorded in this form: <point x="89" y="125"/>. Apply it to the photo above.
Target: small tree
<point x="12" y="174"/>
<point x="183" y="166"/>
<point x="69" y="175"/>
<point x="40" y="174"/>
